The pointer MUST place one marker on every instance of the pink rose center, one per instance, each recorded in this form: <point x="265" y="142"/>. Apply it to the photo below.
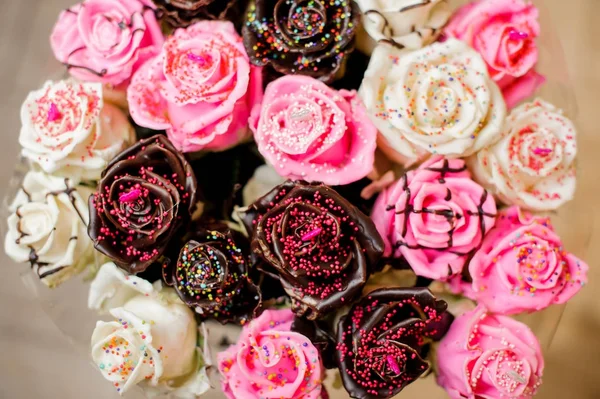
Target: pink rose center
<point x="502" y="370"/>
<point x="196" y="67"/>
<point x="435" y="216"/>
<point x="298" y="124"/>
<point x="276" y="361"/>
<point x="517" y="35"/>
<point x="507" y="47"/>
<point x="518" y="52"/>
<point x="107" y="31"/>
<point x="201" y="64"/>
<point x="539" y="265"/>
<point x="512" y="376"/>
<point x="200" y="69"/>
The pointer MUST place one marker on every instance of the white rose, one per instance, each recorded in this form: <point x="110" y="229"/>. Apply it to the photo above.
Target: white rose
<point x="533" y="165"/>
<point x="68" y="130"/>
<point x="437" y="100"/>
<point x="403" y="23"/>
<point x="153" y="343"/>
<point x="113" y="287"/>
<point x="48" y="227"/>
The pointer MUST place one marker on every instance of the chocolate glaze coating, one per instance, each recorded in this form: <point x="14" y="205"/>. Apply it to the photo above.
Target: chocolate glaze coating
<point x="321" y="336"/>
<point x="210" y="274"/>
<point x="182" y="13"/>
<point x="299" y="37"/>
<point x="320" y="246"/>
<point x="146" y="193"/>
<point x="383" y="341"/>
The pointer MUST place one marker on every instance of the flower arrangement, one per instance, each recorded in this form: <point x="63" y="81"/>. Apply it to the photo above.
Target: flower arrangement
<point x="273" y="165"/>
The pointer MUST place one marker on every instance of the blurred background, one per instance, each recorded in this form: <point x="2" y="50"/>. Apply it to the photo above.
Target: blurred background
<point x="36" y="361"/>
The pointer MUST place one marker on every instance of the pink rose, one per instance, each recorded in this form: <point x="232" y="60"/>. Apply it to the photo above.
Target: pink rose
<point x="270" y="361"/>
<point x="200" y="88"/>
<point x="106" y="40"/>
<point x="435" y="216"/>
<point x="522" y="266"/>
<point x="489" y="356"/>
<point x="504" y="33"/>
<point x="310" y="131"/>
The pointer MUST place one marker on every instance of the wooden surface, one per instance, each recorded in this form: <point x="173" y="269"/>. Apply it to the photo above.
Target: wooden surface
<point x="36" y="362"/>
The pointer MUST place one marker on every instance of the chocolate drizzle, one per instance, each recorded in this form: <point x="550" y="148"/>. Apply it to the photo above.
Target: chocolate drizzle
<point x="448" y="214"/>
<point x="27" y="194"/>
<point x="392" y="43"/>
<point x="388" y="27"/>
<point x="22" y="234"/>
<point x="445" y="169"/>
<point x="50" y="272"/>
<point x="69" y="190"/>
<point x="413" y="6"/>
<point x="122" y="25"/>
<point x="34" y="259"/>
<point x="386" y="23"/>
<point x="33" y="255"/>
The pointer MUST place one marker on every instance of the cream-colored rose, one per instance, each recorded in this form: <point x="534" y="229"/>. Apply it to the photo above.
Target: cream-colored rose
<point x="113" y="287"/>
<point x="533" y="165"/>
<point x="403" y="23"/>
<point x="68" y="130"/>
<point x="48" y="227"/>
<point x="437" y="100"/>
<point x="153" y="342"/>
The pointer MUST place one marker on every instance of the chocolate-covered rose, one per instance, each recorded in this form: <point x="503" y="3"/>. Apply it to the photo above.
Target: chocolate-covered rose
<point x="384" y="340"/>
<point x="319" y="245"/>
<point x="301" y="37"/>
<point x="211" y="275"/>
<point x="320" y="333"/>
<point x="145" y="194"/>
<point x="182" y="13"/>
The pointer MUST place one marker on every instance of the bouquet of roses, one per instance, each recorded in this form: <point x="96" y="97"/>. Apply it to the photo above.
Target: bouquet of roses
<point x="330" y="175"/>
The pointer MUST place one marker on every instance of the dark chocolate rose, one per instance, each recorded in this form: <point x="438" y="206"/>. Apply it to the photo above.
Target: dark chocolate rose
<point x="320" y="246"/>
<point x="144" y="196"/>
<point x="307" y="37"/>
<point x="211" y="276"/>
<point x="384" y="340"/>
<point x="182" y="13"/>
<point x="321" y="336"/>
